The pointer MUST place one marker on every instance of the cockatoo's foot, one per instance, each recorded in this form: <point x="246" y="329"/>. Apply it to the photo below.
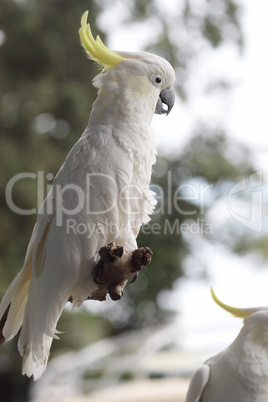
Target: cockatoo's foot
<point x="142" y="257"/>
<point x="116" y="268"/>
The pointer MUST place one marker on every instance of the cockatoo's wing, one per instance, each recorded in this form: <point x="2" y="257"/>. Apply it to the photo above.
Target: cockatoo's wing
<point x="17" y="293"/>
<point x="68" y="235"/>
<point x="61" y="258"/>
<point x="198" y="383"/>
<point x="48" y="294"/>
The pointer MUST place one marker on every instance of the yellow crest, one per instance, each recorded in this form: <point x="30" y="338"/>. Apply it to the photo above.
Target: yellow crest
<point x="95" y="48"/>
<point x="236" y="311"/>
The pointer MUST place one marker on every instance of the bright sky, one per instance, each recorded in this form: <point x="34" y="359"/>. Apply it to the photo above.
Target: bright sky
<point x="238" y="281"/>
<point x="249" y="117"/>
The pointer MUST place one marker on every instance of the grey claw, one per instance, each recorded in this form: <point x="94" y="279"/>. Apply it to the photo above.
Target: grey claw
<point x="133" y="278"/>
<point x="96" y="272"/>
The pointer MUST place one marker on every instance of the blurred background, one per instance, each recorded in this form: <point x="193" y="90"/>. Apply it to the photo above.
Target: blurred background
<point x="209" y="224"/>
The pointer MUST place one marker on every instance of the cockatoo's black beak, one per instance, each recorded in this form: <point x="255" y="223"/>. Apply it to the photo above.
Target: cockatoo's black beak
<point x="167" y="96"/>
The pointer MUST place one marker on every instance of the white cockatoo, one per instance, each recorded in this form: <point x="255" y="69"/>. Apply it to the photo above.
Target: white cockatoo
<point x="100" y="195"/>
<point x="240" y="372"/>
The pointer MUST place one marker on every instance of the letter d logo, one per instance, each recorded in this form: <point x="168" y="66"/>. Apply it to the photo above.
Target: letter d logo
<point x="248" y="212"/>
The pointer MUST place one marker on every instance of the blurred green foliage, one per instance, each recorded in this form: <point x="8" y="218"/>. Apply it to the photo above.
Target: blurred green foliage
<point x="45" y="102"/>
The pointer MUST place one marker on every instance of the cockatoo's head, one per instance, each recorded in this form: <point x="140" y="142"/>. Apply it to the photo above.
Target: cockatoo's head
<point x="255" y="327"/>
<point x="145" y="73"/>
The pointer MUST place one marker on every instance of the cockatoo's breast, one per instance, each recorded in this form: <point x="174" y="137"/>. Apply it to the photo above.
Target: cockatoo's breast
<point x="122" y="179"/>
<point x="122" y="114"/>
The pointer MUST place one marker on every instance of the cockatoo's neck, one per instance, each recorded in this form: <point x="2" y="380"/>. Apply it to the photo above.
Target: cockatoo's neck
<point x="254" y="333"/>
<point x="123" y="104"/>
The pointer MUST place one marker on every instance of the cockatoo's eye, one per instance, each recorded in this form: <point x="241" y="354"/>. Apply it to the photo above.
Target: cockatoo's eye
<point x="157" y="80"/>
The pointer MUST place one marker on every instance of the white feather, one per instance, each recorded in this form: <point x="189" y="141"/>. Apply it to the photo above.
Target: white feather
<point x="198" y="383"/>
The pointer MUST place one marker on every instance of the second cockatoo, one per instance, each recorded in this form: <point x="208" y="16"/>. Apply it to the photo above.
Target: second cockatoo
<point x="240" y="372"/>
<point x="100" y="195"/>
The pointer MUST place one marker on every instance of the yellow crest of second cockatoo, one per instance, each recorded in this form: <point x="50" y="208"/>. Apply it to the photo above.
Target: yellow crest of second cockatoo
<point x="95" y="48"/>
<point x="236" y="311"/>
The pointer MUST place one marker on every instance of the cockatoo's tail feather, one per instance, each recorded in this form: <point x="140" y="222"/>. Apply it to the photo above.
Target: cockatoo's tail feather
<point x="16" y="298"/>
<point x="32" y="364"/>
<point x="95" y="48"/>
<point x="236" y="311"/>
